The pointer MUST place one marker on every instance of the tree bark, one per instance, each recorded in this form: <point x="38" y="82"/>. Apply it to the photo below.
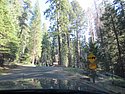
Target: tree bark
<point x="59" y="44"/>
<point x="120" y="65"/>
<point x="52" y="51"/>
<point x="69" y="54"/>
<point x="77" y="49"/>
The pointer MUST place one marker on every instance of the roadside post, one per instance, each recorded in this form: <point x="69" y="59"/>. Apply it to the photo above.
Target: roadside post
<point x="92" y="65"/>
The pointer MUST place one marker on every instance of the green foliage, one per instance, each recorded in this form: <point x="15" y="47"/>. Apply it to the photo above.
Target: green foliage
<point x="58" y="14"/>
<point x="77" y="25"/>
<point x="46" y="48"/>
<point x="111" y="48"/>
<point x="8" y="34"/>
<point x="24" y="31"/>
<point x="35" y="36"/>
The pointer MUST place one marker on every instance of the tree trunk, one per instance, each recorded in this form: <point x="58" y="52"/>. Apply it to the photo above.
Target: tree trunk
<point x="120" y="65"/>
<point x="33" y="55"/>
<point x="52" y="51"/>
<point x="33" y="59"/>
<point x="77" y="50"/>
<point x="59" y="44"/>
<point x="69" y="54"/>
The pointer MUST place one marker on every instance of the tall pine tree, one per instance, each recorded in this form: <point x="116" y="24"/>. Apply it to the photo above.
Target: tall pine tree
<point x="35" y="35"/>
<point x="58" y="14"/>
<point x="8" y="33"/>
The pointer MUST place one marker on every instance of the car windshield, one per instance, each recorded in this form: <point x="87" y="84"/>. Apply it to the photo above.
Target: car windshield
<point x="62" y="44"/>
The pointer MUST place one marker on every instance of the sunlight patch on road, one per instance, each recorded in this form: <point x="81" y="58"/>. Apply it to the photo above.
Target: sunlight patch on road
<point x="3" y="71"/>
<point x="26" y="65"/>
<point x="6" y="73"/>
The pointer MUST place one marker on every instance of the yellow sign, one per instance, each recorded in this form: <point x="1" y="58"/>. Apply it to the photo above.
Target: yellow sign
<point x="91" y="57"/>
<point x="92" y="66"/>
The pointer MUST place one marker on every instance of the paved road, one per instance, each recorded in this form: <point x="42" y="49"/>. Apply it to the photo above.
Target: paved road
<point x="37" y="72"/>
<point x="22" y="72"/>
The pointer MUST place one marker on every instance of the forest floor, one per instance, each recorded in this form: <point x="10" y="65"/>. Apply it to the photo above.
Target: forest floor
<point x="116" y="84"/>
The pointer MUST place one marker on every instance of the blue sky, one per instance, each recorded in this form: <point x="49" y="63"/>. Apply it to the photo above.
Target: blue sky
<point x="84" y="4"/>
<point x="43" y="7"/>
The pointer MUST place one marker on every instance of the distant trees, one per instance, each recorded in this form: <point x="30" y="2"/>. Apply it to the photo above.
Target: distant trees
<point x="24" y="31"/>
<point x="58" y="14"/>
<point x="35" y="35"/>
<point x="78" y="26"/>
<point x="23" y="39"/>
<point x="65" y="19"/>
<point x="47" y="48"/>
